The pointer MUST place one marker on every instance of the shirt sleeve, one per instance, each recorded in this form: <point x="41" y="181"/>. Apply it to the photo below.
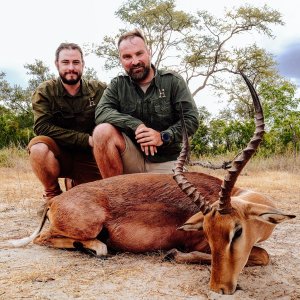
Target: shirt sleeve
<point x="108" y="110"/>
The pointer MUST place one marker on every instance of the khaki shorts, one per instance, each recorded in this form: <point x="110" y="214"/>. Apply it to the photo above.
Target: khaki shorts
<point x="135" y="162"/>
<point x="77" y="165"/>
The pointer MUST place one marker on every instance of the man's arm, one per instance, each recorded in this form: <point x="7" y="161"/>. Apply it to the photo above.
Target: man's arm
<point x="108" y="110"/>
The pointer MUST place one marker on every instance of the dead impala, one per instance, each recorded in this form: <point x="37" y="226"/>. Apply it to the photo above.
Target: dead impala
<point x="148" y="212"/>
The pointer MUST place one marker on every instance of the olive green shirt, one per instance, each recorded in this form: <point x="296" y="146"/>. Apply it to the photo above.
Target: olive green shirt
<point x="69" y="120"/>
<point x="126" y="106"/>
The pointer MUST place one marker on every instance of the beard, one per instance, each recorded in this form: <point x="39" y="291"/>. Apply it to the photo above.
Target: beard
<point x="70" y="81"/>
<point x="140" y="75"/>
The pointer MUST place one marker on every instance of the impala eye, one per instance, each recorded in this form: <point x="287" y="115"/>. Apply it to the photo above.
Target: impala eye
<point x="238" y="233"/>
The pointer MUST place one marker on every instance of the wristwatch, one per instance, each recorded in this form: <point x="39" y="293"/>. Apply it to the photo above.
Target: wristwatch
<point x="166" y="137"/>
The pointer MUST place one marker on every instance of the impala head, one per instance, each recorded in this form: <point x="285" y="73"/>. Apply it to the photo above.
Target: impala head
<point x="231" y="225"/>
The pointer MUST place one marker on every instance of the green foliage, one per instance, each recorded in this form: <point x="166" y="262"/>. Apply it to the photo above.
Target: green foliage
<point x="219" y="136"/>
<point x="201" y="47"/>
<point x="282" y="113"/>
<point x="15" y="129"/>
<point x="164" y="27"/>
<point x="16" y="118"/>
<point x="200" y="141"/>
<point x="282" y="119"/>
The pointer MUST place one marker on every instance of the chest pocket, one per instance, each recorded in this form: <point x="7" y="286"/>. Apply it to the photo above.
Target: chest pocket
<point x="81" y="118"/>
<point x="128" y="104"/>
<point x="162" y="116"/>
<point x="64" y="119"/>
<point x="128" y="107"/>
<point x="85" y="120"/>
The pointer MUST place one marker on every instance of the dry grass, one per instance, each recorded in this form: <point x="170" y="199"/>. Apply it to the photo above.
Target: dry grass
<point x="36" y="272"/>
<point x="287" y="163"/>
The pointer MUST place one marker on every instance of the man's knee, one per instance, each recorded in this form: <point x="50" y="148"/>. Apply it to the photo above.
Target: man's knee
<point x="41" y="154"/>
<point x="38" y="149"/>
<point x="106" y="133"/>
<point x="42" y="145"/>
<point x="103" y="130"/>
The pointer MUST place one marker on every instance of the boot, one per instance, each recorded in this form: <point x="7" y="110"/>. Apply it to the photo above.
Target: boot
<point x="48" y="194"/>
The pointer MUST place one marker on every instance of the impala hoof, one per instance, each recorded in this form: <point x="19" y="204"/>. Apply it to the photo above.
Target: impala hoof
<point x="79" y="246"/>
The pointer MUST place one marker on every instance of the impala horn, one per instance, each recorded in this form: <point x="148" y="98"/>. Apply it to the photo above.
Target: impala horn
<point x="241" y="160"/>
<point x="237" y="165"/>
<point x="187" y="187"/>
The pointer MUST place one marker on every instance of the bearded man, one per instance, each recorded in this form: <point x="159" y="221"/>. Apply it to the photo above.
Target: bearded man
<point x="138" y="117"/>
<point x="64" y="110"/>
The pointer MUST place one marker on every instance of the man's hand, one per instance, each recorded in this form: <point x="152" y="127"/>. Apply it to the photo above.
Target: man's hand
<point x="148" y="138"/>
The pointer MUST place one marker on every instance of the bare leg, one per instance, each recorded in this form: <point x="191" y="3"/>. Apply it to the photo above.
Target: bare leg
<point x="258" y="257"/>
<point x="108" y="146"/>
<point x="46" y="167"/>
<point x="191" y="257"/>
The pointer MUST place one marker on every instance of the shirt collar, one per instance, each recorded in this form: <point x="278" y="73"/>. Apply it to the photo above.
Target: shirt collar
<point x="61" y="91"/>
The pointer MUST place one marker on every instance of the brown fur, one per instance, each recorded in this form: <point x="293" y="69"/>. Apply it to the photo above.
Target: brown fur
<point x="151" y="203"/>
<point x="143" y="212"/>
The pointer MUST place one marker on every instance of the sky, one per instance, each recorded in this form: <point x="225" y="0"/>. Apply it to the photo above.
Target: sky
<point x="33" y="29"/>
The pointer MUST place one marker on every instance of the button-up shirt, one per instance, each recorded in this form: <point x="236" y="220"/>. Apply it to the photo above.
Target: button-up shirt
<point x="69" y="120"/>
<point x="126" y="106"/>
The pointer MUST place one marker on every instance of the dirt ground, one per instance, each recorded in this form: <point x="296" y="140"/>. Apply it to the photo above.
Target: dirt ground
<point x="36" y="272"/>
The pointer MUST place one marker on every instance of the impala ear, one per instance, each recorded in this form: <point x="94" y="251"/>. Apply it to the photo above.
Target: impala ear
<point x="267" y="213"/>
<point x="194" y="223"/>
<point x="275" y="217"/>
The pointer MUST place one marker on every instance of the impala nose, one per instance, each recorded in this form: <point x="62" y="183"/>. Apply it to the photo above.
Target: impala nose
<point x="224" y="289"/>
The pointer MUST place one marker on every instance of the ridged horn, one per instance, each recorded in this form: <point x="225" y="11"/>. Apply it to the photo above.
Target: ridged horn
<point x="241" y="160"/>
<point x="187" y="187"/>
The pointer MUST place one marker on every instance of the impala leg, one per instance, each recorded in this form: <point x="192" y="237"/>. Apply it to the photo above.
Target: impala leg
<point x="95" y="245"/>
<point x="191" y="257"/>
<point x="47" y="239"/>
<point x="258" y="257"/>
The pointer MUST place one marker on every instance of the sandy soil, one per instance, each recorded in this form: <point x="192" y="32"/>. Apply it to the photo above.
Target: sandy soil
<point x="36" y="272"/>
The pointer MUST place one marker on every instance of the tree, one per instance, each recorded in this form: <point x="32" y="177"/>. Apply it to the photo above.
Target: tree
<point x="164" y="27"/>
<point x="199" y="46"/>
<point x="90" y="73"/>
<point x="200" y="140"/>
<point x="13" y="129"/>
<point x="16" y="115"/>
<point x="39" y="73"/>
<point x="205" y="50"/>
<point x="282" y="114"/>
<point x="17" y="98"/>
<point x="260" y="66"/>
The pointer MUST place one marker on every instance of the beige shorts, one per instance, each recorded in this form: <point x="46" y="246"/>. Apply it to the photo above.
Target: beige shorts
<point x="134" y="161"/>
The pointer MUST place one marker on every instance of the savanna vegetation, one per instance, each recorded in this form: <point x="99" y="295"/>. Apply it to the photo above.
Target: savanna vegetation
<point x="206" y="51"/>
